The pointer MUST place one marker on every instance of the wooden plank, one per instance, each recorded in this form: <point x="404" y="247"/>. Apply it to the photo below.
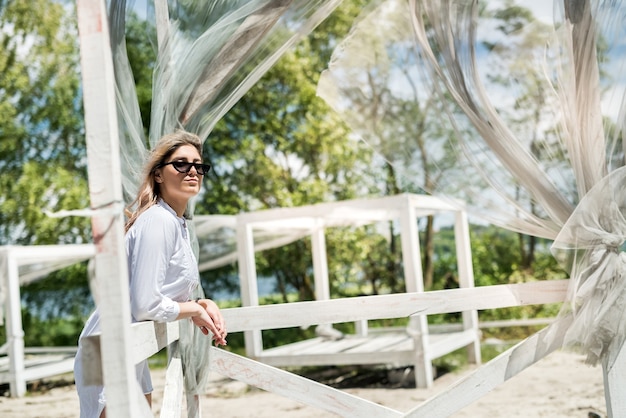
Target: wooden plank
<point x="173" y="391"/>
<point x="497" y="371"/>
<point x="105" y="192"/>
<point x="368" y="209"/>
<point x="248" y="284"/>
<point x="147" y="339"/>
<point x="394" y="358"/>
<point x="31" y="254"/>
<point x="614" y="373"/>
<point x="332" y="347"/>
<point x="451" y="342"/>
<point x="14" y="331"/>
<point x="466" y="279"/>
<point x="293" y="348"/>
<point x="50" y="369"/>
<point x="295" y="387"/>
<point x="393" y="306"/>
<point x="414" y="282"/>
<point x="51" y="350"/>
<point x="381" y="343"/>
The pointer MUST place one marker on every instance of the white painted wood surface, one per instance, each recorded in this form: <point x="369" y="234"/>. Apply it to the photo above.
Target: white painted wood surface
<point x="399" y="305"/>
<point x="614" y="372"/>
<point x="466" y="279"/>
<point x="145" y="341"/>
<point x="174" y="388"/>
<point x="295" y="387"/>
<point x="414" y="282"/>
<point x="389" y="348"/>
<point x="148" y="338"/>
<point x="248" y="285"/>
<point x="124" y="397"/>
<point x="313" y="220"/>
<point x="14" y="330"/>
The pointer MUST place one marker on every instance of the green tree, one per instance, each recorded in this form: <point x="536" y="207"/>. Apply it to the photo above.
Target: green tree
<point x="516" y="62"/>
<point x="281" y="146"/>
<point x="42" y="149"/>
<point x="42" y="152"/>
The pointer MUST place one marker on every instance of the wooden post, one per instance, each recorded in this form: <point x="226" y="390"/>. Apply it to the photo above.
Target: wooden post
<point x="414" y="279"/>
<point x="320" y="265"/>
<point x="466" y="279"/>
<point x="124" y="397"/>
<point x="15" y="332"/>
<point x="614" y="372"/>
<point x="248" y="283"/>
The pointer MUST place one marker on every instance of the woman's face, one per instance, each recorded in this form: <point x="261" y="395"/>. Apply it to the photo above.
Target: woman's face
<point x="177" y="188"/>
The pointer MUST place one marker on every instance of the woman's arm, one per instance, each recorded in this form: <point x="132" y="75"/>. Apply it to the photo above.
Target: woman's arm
<point x="207" y="315"/>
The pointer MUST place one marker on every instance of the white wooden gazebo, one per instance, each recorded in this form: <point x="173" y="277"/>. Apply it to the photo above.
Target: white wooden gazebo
<point x="413" y="346"/>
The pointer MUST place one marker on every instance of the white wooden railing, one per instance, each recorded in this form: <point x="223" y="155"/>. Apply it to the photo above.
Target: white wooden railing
<point x="148" y="338"/>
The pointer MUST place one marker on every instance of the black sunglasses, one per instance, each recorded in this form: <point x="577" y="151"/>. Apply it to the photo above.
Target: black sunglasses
<point x="185" y="167"/>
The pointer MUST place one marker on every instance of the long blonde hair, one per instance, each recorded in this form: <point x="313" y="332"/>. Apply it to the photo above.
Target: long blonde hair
<point x="149" y="191"/>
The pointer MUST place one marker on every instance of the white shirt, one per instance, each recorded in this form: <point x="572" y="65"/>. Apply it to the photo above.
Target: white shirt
<point x="162" y="268"/>
<point x="162" y="271"/>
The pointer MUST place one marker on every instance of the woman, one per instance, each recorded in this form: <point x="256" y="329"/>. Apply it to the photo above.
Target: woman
<point x="162" y="269"/>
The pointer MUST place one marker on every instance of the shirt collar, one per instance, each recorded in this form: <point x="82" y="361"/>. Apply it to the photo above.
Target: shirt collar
<point x="167" y="207"/>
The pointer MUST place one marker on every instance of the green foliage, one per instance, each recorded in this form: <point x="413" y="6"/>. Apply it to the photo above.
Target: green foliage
<point x="363" y="261"/>
<point x="281" y="146"/>
<point x="35" y="188"/>
<point x="42" y="149"/>
<point x="42" y="158"/>
<point x="40" y="106"/>
<point x="61" y="294"/>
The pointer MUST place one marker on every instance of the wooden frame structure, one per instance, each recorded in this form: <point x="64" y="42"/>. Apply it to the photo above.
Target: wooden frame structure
<point x="414" y="346"/>
<point x="48" y="258"/>
<point x="150" y="337"/>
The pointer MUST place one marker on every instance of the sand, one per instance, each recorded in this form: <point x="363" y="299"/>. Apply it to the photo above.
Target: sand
<point x="560" y="385"/>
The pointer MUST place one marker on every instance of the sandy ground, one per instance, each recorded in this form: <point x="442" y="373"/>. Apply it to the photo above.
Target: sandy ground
<point x="560" y="385"/>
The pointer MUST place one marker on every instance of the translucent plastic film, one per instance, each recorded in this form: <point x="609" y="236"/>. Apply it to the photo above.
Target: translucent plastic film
<point x="519" y="116"/>
<point x="209" y="55"/>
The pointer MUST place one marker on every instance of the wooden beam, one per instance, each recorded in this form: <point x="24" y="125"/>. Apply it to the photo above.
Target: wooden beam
<point x="614" y="372"/>
<point x="414" y="282"/>
<point x="295" y="387"/>
<point x="248" y="284"/>
<point x="148" y="338"/>
<point x="497" y="371"/>
<point x="174" y="387"/>
<point x="124" y="398"/>
<point x="393" y="306"/>
<point x="466" y="279"/>
<point x="15" y="331"/>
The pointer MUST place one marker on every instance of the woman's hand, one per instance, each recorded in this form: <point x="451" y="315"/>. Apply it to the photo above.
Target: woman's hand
<point x="211" y="319"/>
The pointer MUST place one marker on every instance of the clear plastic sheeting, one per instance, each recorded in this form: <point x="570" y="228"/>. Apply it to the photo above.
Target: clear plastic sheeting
<point x="525" y="121"/>
<point x="208" y="57"/>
